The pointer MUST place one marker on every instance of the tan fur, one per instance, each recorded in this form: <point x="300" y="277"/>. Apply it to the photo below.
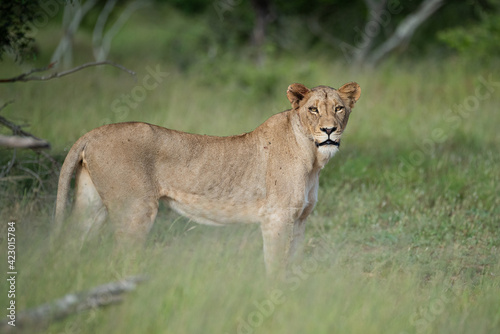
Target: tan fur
<point x="267" y="176"/>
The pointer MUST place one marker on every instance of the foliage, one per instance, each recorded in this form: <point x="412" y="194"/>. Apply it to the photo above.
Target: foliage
<point x="291" y="23"/>
<point x="226" y="25"/>
<point x="478" y="40"/>
<point x="15" y="20"/>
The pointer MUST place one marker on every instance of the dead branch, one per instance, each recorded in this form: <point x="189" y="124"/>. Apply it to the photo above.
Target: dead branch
<point x="56" y="166"/>
<point x="16" y="129"/>
<point x="103" y="295"/>
<point x="23" y="139"/>
<point x="22" y="142"/>
<point x="2" y="107"/>
<point x="29" y="77"/>
<point x="7" y="168"/>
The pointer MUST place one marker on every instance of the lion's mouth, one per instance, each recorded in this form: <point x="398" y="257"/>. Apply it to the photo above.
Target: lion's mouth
<point x="328" y="142"/>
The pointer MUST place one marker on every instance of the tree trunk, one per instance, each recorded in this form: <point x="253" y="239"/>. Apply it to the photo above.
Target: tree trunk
<point x="404" y="31"/>
<point x="364" y="50"/>
<point x="262" y="9"/>
<point x="101" y="42"/>
<point x="73" y="15"/>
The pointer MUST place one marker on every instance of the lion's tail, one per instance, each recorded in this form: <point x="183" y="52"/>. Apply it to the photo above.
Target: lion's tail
<point x="67" y="170"/>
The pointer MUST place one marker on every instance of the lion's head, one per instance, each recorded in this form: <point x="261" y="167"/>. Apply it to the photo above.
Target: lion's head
<point x="324" y="112"/>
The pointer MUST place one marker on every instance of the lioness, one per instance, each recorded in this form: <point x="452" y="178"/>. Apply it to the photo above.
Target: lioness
<point x="267" y="176"/>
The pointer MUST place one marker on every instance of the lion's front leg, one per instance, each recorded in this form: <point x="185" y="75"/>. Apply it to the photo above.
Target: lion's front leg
<point x="297" y="245"/>
<point x="277" y="235"/>
<point x="299" y="229"/>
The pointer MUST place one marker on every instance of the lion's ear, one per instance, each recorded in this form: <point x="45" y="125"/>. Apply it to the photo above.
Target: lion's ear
<point x="350" y="93"/>
<point x="296" y="93"/>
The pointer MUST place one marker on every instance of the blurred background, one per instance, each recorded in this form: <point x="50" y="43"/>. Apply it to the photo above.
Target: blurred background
<point x="252" y="49"/>
<point x="194" y="33"/>
<point x="409" y="206"/>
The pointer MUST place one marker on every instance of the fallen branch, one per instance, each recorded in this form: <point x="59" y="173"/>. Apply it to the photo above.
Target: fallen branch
<point x="16" y="129"/>
<point x="23" y="142"/>
<point x="41" y="316"/>
<point x="29" y="77"/>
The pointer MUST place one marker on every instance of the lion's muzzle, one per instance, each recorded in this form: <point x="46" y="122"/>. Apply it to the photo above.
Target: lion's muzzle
<point x="328" y="142"/>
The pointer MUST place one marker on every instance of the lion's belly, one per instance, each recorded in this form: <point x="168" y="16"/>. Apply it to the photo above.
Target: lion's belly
<point x="214" y="212"/>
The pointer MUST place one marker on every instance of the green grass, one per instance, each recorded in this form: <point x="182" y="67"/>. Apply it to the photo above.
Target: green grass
<point x="407" y="218"/>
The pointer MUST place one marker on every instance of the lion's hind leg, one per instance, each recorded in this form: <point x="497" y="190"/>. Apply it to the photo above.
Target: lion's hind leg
<point x="89" y="212"/>
<point x="132" y="219"/>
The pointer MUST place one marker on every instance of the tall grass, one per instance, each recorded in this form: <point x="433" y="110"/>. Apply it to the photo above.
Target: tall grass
<point x="407" y="213"/>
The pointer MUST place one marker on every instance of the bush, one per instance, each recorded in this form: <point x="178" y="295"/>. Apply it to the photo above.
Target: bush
<point x="481" y="40"/>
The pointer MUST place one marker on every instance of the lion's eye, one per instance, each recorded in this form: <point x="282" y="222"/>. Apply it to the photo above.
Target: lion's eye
<point x="313" y="109"/>
<point x="339" y="108"/>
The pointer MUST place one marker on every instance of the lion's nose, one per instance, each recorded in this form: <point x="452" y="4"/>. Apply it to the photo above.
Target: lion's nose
<point x="328" y="131"/>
